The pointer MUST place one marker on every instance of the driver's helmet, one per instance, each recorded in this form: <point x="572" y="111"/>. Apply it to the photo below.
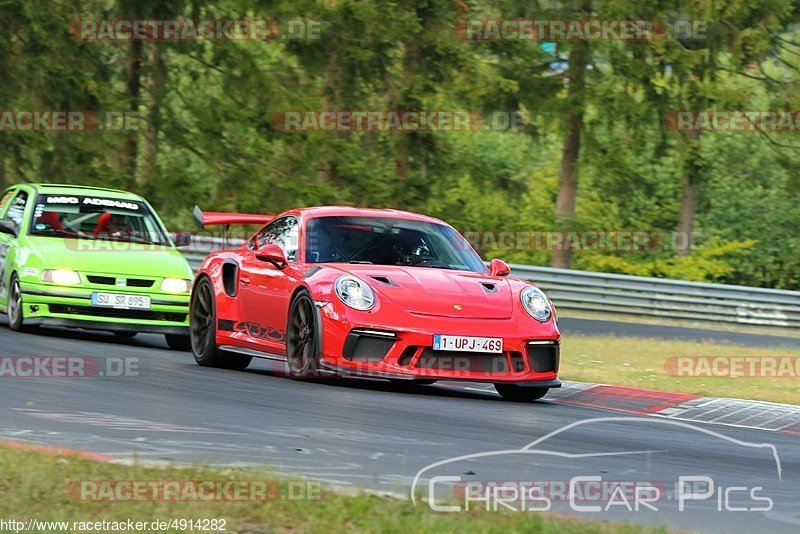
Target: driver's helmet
<point x="421" y="251"/>
<point x="412" y="251"/>
<point x="118" y="223"/>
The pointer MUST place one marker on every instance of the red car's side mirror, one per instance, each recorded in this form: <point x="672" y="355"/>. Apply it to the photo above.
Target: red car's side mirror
<point x="499" y="268"/>
<point x="272" y="253"/>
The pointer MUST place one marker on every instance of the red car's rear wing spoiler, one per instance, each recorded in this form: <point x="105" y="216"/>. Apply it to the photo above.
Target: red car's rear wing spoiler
<point x="215" y="218"/>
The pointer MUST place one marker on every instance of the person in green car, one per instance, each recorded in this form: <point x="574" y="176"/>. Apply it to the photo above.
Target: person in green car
<point x="92" y="258"/>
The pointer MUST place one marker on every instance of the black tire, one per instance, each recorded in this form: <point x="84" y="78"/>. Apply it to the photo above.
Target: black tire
<point x="515" y="393"/>
<point x="14" y="308"/>
<point x="303" y="338"/>
<point x="178" y="342"/>
<point x="128" y="335"/>
<point x="203" y="331"/>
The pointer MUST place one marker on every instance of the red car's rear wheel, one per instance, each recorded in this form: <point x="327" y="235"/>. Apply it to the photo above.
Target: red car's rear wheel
<point x="203" y="331"/>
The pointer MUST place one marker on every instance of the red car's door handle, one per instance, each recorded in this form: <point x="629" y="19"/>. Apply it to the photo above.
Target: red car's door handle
<point x="243" y="280"/>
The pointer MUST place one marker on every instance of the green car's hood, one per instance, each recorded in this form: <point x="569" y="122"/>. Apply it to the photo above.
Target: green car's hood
<point x="108" y="257"/>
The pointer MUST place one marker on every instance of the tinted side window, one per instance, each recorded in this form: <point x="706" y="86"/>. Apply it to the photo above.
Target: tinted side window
<point x="282" y="232"/>
<point x="16" y="209"/>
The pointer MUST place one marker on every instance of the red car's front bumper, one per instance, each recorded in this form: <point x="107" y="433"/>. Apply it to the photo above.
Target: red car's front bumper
<point x="361" y="344"/>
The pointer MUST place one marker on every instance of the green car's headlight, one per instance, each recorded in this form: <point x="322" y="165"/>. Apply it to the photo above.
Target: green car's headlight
<point x="62" y="277"/>
<point x="175" y="285"/>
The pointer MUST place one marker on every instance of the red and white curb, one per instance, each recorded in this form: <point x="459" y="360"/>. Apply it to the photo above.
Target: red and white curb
<point x="682" y="406"/>
<point x="740" y="413"/>
<point x="737" y="412"/>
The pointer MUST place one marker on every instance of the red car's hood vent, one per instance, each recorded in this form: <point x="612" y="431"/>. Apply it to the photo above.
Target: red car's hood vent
<point x="440" y="292"/>
<point x="383" y="280"/>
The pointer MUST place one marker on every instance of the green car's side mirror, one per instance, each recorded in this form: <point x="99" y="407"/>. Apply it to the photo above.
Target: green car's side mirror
<point x="182" y="239"/>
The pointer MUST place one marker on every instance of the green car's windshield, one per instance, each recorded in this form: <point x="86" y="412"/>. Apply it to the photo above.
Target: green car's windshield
<point x="88" y="217"/>
<point x="389" y="241"/>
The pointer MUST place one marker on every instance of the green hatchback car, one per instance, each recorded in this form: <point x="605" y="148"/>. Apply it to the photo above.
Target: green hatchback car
<point x="92" y="258"/>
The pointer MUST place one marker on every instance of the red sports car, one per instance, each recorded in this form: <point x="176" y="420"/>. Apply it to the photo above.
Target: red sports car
<point x="379" y="293"/>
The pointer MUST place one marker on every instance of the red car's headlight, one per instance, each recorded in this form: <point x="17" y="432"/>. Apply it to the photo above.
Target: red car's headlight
<point x="355" y="293"/>
<point x="536" y="304"/>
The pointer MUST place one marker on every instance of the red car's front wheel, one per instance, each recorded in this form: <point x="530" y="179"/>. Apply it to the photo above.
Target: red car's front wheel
<point x="516" y="393"/>
<point x="303" y="338"/>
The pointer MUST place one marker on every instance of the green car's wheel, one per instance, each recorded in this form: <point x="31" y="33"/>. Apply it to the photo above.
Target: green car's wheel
<point x="203" y="331"/>
<point x="15" y="320"/>
<point x="178" y="342"/>
<point x="125" y="335"/>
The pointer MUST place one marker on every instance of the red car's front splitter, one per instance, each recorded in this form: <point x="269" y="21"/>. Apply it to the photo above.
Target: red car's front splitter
<point x="530" y="354"/>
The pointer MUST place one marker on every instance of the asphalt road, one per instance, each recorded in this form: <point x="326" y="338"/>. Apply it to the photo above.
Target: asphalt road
<point x="600" y="327"/>
<point x="372" y="434"/>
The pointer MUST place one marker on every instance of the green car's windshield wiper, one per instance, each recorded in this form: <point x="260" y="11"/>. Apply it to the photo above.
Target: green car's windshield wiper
<point x="56" y="232"/>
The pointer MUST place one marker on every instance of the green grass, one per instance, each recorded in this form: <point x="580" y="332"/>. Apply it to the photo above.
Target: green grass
<point x="640" y="363"/>
<point x="34" y="484"/>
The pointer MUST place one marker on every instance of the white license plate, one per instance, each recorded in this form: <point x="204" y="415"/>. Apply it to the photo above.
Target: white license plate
<point x="467" y="344"/>
<point x="119" y="301"/>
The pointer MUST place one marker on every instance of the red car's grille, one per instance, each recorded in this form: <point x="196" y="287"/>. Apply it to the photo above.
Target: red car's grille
<point x="472" y="362"/>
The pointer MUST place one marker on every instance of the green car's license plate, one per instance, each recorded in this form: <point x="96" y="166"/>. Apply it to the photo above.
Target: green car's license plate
<point x="119" y="301"/>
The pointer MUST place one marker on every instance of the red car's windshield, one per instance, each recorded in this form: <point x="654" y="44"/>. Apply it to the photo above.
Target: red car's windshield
<point x="389" y="241"/>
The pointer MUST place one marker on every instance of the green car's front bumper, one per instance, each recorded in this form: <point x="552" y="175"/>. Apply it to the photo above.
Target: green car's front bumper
<point x="71" y="306"/>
